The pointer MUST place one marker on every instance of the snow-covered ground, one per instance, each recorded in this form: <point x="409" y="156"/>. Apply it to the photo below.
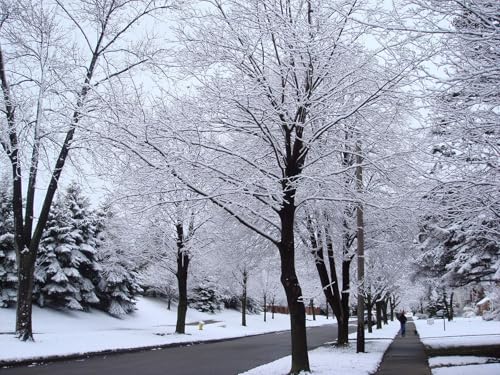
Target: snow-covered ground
<point x="59" y="333"/>
<point x="460" y="332"/>
<point x="330" y="360"/>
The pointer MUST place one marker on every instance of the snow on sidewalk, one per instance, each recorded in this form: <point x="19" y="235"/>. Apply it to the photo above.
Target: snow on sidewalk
<point x="59" y="333"/>
<point x="329" y="360"/>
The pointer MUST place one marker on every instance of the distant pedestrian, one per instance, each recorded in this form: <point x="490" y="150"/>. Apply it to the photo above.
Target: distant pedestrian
<point x="402" y="319"/>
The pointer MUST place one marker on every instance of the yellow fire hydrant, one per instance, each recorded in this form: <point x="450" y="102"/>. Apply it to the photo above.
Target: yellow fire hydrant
<point x="201" y="323"/>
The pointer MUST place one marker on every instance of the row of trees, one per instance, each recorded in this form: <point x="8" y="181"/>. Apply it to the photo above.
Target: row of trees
<point x="80" y="263"/>
<point x="283" y="103"/>
<point x="292" y="118"/>
<point x="86" y="260"/>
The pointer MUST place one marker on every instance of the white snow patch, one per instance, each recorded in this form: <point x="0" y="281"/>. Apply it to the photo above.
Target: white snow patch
<point x="459" y="332"/>
<point x="455" y="360"/>
<point x="73" y="332"/>
<point x="490" y="369"/>
<point x="330" y="360"/>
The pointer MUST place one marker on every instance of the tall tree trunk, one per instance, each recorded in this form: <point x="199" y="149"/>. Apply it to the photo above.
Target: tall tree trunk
<point x="272" y="308"/>
<point x="265" y="308"/>
<point x="392" y="304"/>
<point x="448" y="305"/>
<point x="329" y="282"/>
<point x="343" y="324"/>
<point x="25" y="272"/>
<point x="244" y="300"/>
<point x="311" y="304"/>
<point x="181" y="275"/>
<point x="369" y="308"/>
<point x="378" y="312"/>
<point x="290" y="282"/>
<point x="180" y="326"/>
<point x="450" y="316"/>
<point x="384" y="310"/>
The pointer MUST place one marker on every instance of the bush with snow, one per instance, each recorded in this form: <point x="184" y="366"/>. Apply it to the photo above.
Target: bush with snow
<point x="66" y="265"/>
<point x="117" y="283"/>
<point x="8" y="268"/>
<point x="205" y="297"/>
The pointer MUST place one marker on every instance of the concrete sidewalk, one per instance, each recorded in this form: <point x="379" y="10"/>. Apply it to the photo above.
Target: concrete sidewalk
<point x="406" y="355"/>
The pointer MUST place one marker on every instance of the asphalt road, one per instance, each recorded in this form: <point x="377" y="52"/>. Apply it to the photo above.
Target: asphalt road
<point x="221" y="358"/>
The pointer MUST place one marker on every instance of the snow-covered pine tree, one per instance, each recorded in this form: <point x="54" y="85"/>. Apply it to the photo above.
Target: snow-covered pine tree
<point x="460" y="237"/>
<point x="83" y="235"/>
<point x="56" y="272"/>
<point x="8" y="270"/>
<point x="117" y="283"/>
<point x="67" y="265"/>
<point x="206" y="297"/>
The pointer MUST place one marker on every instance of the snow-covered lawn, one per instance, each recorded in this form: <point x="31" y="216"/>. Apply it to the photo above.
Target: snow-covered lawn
<point x="64" y="333"/>
<point x="331" y="360"/>
<point x="59" y="333"/>
<point x="460" y="332"/>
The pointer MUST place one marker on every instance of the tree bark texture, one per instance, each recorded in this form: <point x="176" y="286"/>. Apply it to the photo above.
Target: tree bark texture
<point x="378" y="312"/>
<point x="181" y="275"/>
<point x="265" y="308"/>
<point x="384" y="310"/>
<point x="290" y="282"/>
<point x="329" y="281"/>
<point x="343" y="325"/>
<point x="448" y="306"/>
<point x="369" y="309"/>
<point x="244" y="300"/>
<point x="25" y="272"/>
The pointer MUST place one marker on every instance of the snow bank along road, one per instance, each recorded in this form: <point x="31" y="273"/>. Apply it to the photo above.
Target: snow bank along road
<point x="227" y="357"/>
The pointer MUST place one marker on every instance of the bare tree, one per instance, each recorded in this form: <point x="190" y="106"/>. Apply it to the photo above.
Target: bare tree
<point x="269" y="84"/>
<point x="171" y="235"/>
<point x="35" y="62"/>
<point x="320" y="240"/>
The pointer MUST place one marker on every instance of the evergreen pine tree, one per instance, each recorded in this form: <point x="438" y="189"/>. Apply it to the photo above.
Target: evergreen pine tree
<point x="8" y="269"/>
<point x="67" y="266"/>
<point x="117" y="285"/>
<point x="206" y="297"/>
<point x="84" y="254"/>
<point x="56" y="271"/>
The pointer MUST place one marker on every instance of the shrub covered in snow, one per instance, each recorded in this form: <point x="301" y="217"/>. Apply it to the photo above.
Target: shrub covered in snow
<point x="8" y="269"/>
<point x="205" y="297"/>
<point x="117" y="283"/>
<point x="468" y="312"/>
<point x="66" y="265"/>
<point x="234" y="302"/>
<point x="82" y="262"/>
